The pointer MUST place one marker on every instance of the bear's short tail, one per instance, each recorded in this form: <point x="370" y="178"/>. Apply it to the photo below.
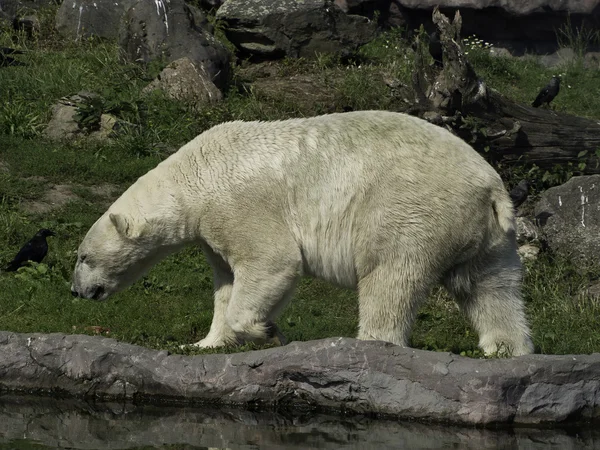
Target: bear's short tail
<point x="504" y="211"/>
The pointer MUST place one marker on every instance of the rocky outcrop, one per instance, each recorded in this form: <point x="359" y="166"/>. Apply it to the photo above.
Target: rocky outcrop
<point x="172" y="30"/>
<point x="56" y="423"/>
<point x="85" y="18"/>
<point x="290" y="28"/>
<point x="569" y="216"/>
<point x="148" y="30"/>
<point x="273" y="29"/>
<point x="332" y="374"/>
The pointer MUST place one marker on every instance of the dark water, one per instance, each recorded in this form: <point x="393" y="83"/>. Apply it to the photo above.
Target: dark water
<point x="27" y="423"/>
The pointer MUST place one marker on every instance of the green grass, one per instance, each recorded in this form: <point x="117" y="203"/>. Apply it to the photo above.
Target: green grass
<point x="173" y="304"/>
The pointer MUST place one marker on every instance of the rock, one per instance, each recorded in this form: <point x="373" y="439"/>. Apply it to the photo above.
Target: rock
<point x="62" y="125"/>
<point x="528" y="252"/>
<point x="591" y="60"/>
<point x="106" y="129"/>
<point x="29" y="24"/>
<point x="172" y="30"/>
<point x="527" y="231"/>
<point x="182" y="80"/>
<point x="562" y="56"/>
<point x="79" y="19"/>
<point x="570" y="218"/>
<point x="363" y="377"/>
<point x="591" y="293"/>
<point x="267" y="29"/>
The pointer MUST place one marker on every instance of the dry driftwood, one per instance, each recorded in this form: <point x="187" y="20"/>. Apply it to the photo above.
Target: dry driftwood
<point x="507" y="131"/>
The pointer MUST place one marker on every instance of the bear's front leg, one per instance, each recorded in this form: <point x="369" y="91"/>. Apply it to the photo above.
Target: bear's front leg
<point x="260" y="291"/>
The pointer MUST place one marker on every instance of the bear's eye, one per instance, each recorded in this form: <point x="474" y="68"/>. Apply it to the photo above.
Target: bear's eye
<point x="82" y="258"/>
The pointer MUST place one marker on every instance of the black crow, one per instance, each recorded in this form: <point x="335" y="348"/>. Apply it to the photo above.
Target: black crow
<point x="519" y="193"/>
<point x="435" y="48"/>
<point x="547" y="94"/>
<point x="34" y="250"/>
<point x="6" y="60"/>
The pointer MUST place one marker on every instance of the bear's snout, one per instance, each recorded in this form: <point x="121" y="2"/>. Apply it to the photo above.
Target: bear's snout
<point x="95" y="293"/>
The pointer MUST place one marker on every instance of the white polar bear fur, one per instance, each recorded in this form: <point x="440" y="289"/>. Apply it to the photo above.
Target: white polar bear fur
<point x="381" y="202"/>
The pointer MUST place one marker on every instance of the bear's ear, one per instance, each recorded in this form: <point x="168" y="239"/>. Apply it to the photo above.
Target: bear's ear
<point x="123" y="224"/>
<point x="127" y="227"/>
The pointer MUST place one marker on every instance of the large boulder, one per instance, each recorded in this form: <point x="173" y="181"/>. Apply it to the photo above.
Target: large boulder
<point x="269" y="29"/>
<point x="569" y="216"/>
<point x="340" y="374"/>
<point x="79" y="19"/>
<point x="172" y="30"/>
<point x="182" y="80"/>
<point x="148" y="30"/>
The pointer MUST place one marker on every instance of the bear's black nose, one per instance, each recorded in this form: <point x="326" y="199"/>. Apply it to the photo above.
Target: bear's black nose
<point x="74" y="293"/>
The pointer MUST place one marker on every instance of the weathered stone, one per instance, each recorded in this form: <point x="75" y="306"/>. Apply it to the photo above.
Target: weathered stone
<point x="335" y="374"/>
<point x="561" y="57"/>
<point x="527" y="231"/>
<point x="28" y="24"/>
<point x="528" y="252"/>
<point x="62" y="124"/>
<point x="570" y="218"/>
<point x="592" y="60"/>
<point x="78" y="19"/>
<point x="170" y="31"/>
<point x="272" y="29"/>
<point x="182" y="80"/>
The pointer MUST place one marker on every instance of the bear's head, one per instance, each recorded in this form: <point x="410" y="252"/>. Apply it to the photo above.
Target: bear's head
<point x="116" y="251"/>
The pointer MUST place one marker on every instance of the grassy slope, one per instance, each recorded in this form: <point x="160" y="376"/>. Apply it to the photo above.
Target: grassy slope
<point x="173" y="304"/>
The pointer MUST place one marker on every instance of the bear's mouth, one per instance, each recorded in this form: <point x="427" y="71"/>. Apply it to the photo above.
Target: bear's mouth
<point x="97" y="292"/>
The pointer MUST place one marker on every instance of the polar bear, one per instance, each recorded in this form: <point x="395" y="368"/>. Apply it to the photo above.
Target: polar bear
<point x="381" y="202"/>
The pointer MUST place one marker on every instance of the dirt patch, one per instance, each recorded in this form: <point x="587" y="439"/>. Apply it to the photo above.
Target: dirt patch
<point x="55" y="197"/>
<point x="58" y="195"/>
<point x="107" y="190"/>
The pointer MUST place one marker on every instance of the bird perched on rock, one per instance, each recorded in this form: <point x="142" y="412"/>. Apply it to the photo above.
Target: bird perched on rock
<point x="34" y="250"/>
<point x="435" y="48"/>
<point x="519" y="193"/>
<point x="548" y="93"/>
<point x="6" y="60"/>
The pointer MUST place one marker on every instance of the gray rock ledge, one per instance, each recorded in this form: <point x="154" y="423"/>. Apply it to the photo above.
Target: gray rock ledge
<point x="337" y="374"/>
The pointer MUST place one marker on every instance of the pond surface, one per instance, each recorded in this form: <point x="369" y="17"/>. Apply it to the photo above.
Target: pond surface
<point x="38" y="423"/>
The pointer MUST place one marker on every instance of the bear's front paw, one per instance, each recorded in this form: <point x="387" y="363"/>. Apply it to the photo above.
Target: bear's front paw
<point x="274" y="336"/>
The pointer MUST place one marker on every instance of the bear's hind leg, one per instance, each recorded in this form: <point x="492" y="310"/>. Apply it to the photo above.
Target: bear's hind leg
<point x="489" y="293"/>
<point x="389" y="298"/>
<point x="261" y="288"/>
